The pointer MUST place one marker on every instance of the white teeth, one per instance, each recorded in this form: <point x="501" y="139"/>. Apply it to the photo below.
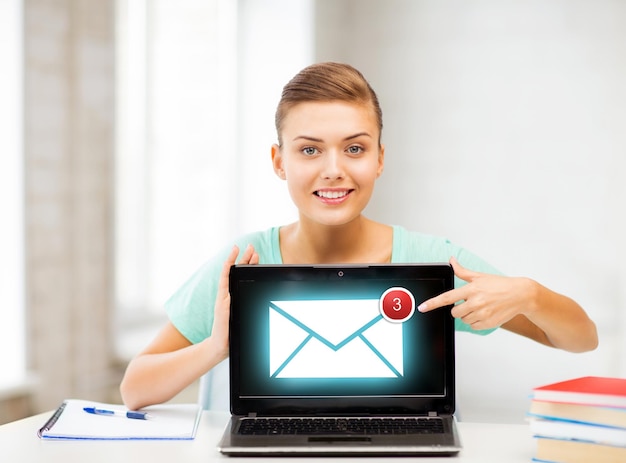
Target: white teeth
<point x="332" y="194"/>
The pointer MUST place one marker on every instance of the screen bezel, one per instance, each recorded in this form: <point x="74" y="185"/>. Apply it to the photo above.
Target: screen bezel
<point x="358" y="406"/>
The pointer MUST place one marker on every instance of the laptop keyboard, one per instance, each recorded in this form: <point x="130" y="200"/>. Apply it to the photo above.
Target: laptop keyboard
<point x="365" y="426"/>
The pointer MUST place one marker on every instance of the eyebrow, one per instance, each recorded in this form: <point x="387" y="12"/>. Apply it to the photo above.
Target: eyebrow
<point x="319" y="140"/>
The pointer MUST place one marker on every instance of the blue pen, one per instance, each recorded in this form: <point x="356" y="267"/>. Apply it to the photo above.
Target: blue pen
<point x="129" y="414"/>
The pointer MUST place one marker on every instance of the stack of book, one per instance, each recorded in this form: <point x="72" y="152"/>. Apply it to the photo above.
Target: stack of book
<point x="580" y="420"/>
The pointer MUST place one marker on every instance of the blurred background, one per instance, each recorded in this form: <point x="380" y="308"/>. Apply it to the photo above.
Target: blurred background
<point x="135" y="142"/>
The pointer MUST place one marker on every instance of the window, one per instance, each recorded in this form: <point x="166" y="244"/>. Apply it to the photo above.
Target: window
<point x="12" y="331"/>
<point x="176" y="70"/>
<point x="198" y="82"/>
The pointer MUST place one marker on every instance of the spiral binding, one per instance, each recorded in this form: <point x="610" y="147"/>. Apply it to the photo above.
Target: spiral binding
<point x="53" y="419"/>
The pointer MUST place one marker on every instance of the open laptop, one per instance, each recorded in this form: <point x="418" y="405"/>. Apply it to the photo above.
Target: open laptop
<point x="336" y="360"/>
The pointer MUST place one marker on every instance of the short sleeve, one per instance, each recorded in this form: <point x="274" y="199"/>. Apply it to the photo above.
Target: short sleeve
<point x="190" y="308"/>
<point x="419" y="247"/>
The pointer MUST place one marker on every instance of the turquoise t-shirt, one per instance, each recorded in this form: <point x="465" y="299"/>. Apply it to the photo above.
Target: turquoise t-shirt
<point x="190" y="309"/>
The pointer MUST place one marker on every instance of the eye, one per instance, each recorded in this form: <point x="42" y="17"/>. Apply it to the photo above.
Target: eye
<point x="309" y="151"/>
<point x="355" y="149"/>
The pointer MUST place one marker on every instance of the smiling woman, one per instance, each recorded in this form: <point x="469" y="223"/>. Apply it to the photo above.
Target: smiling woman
<point x="330" y="157"/>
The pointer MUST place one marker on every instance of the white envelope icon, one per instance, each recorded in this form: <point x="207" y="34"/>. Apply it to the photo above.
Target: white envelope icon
<point x="333" y="339"/>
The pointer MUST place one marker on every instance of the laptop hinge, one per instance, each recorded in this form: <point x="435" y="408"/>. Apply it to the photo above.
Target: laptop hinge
<point x="252" y="415"/>
<point x="432" y="413"/>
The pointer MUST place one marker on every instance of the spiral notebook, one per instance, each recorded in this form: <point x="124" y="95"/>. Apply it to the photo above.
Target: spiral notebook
<point x="166" y="422"/>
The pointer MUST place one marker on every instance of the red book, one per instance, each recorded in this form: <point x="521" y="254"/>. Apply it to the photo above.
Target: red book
<point x="588" y="390"/>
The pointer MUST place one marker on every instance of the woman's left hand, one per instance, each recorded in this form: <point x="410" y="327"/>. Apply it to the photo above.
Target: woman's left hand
<point x="520" y="305"/>
<point x="486" y="301"/>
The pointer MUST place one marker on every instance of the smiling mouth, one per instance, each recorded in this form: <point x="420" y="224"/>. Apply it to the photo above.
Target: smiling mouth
<point x="332" y="194"/>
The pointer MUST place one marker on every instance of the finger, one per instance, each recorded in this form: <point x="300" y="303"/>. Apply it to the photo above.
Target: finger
<point x="247" y="255"/>
<point x="444" y="299"/>
<point x="462" y="311"/>
<point x="221" y="314"/>
<point x="462" y="272"/>
<point x="224" y="276"/>
<point x="250" y="256"/>
<point x="230" y="260"/>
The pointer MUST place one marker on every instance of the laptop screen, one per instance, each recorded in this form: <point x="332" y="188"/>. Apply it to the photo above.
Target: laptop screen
<point x="343" y="339"/>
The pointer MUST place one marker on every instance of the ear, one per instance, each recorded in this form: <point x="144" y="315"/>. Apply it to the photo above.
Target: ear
<point x="381" y="161"/>
<point x="277" y="162"/>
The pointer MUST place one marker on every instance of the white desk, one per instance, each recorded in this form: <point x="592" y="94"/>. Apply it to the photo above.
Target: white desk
<point x="482" y="443"/>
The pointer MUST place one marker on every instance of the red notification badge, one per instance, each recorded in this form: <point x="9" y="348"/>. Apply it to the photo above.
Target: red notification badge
<point x="397" y="305"/>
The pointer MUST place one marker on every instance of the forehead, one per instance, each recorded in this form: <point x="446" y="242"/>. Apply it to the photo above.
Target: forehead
<point x="330" y="116"/>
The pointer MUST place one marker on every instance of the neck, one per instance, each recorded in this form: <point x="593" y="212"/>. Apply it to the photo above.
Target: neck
<point x="355" y="242"/>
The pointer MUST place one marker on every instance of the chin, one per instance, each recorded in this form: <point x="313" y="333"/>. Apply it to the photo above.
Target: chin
<point x="337" y="222"/>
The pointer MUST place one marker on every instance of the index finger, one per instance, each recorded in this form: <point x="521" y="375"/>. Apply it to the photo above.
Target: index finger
<point x="444" y="299"/>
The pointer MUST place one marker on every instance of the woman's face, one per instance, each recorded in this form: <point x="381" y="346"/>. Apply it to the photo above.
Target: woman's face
<point x="330" y="158"/>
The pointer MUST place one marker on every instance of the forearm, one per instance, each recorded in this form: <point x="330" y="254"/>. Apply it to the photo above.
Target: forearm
<point x="153" y="378"/>
<point x="563" y="322"/>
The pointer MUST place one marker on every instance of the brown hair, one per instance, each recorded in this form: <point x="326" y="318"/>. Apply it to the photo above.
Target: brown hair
<point x="327" y="82"/>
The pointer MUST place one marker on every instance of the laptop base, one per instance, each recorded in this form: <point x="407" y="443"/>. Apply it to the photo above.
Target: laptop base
<point x="445" y="444"/>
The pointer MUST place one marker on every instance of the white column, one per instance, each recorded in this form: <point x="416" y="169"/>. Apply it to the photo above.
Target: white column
<point x="69" y="143"/>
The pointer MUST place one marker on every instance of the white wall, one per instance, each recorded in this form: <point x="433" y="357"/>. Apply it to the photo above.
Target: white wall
<point x="504" y="131"/>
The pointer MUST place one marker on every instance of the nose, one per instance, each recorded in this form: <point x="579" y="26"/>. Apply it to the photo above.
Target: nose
<point x="333" y="165"/>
